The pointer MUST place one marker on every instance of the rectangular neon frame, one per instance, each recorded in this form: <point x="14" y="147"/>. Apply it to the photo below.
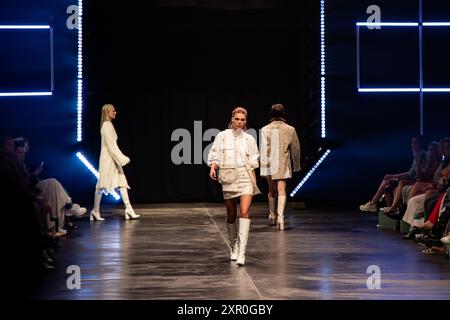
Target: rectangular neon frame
<point x="31" y="93"/>
<point x="388" y="89"/>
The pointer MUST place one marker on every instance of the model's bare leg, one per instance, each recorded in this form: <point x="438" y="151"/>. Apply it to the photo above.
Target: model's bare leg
<point x="231" y="205"/>
<point x="272" y="197"/>
<point x="281" y="189"/>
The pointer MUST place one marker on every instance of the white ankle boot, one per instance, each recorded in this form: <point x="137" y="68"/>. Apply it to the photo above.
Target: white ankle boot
<point x="130" y="214"/>
<point x="280" y="211"/>
<point x="272" y="214"/>
<point x="234" y="240"/>
<point x="244" y="229"/>
<point x="95" y="216"/>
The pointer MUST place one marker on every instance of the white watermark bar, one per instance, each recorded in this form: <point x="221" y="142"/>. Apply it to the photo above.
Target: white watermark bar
<point x="18" y="27"/>
<point x="387" y="24"/>
<point x="24" y="94"/>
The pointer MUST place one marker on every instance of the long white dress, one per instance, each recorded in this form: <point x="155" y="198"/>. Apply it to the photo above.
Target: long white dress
<point x="112" y="160"/>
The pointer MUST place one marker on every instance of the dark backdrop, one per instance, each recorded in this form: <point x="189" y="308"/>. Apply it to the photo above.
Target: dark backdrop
<point x="167" y="66"/>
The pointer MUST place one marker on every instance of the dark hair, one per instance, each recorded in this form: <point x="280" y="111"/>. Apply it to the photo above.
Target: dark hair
<point x="277" y="112"/>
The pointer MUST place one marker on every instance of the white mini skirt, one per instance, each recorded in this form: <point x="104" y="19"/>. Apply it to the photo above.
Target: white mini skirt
<point x="245" y="185"/>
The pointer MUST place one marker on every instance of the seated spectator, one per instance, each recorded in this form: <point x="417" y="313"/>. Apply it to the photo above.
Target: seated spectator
<point x="51" y="190"/>
<point x="416" y="205"/>
<point x="400" y="179"/>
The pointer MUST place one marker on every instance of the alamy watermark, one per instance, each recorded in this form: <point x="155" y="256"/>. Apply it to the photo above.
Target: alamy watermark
<point x="375" y="16"/>
<point x="374" y="280"/>
<point x="74" y="280"/>
<point x="189" y="149"/>
<point x="72" y="20"/>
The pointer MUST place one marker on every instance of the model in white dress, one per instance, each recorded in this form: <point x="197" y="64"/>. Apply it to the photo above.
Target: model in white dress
<point x="110" y="171"/>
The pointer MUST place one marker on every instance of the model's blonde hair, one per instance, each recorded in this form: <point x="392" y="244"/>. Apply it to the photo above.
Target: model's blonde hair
<point x="238" y="110"/>
<point x="105" y="110"/>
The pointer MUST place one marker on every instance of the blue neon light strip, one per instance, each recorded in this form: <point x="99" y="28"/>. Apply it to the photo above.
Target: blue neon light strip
<point x="23" y="27"/>
<point x="322" y="69"/>
<point x="436" y="24"/>
<point x="386" y="90"/>
<point x="402" y="24"/>
<point x="308" y="175"/>
<point x="94" y="172"/>
<point x="80" y="73"/>
<point x="24" y="94"/>
<point x="387" y="24"/>
<point x="389" y="90"/>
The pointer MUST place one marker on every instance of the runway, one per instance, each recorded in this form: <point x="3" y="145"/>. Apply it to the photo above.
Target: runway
<point x="180" y="251"/>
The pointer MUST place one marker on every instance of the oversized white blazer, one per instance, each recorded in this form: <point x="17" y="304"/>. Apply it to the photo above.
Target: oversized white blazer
<point x="112" y="160"/>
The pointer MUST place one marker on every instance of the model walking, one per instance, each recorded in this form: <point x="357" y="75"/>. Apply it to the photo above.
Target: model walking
<point x="111" y="175"/>
<point x="279" y="146"/>
<point x="235" y="155"/>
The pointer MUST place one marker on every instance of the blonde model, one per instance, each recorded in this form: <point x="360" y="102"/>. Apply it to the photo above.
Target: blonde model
<point x="111" y="175"/>
<point x="233" y="158"/>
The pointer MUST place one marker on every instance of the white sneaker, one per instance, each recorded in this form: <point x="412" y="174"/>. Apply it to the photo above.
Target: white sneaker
<point x="368" y="207"/>
<point x="385" y="209"/>
<point x="446" y="239"/>
<point x="76" y="210"/>
<point x="62" y="231"/>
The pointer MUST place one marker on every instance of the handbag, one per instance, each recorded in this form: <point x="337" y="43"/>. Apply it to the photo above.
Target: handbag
<point x="227" y="175"/>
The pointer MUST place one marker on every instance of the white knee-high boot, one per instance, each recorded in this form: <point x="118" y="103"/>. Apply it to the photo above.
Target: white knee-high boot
<point x="244" y="229"/>
<point x="272" y="212"/>
<point x="234" y="240"/>
<point x="129" y="212"/>
<point x="95" y="213"/>
<point x="281" y="207"/>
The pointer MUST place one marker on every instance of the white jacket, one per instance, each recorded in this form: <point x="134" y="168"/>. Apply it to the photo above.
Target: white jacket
<point x="112" y="160"/>
<point x="230" y="151"/>
<point x="223" y="150"/>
